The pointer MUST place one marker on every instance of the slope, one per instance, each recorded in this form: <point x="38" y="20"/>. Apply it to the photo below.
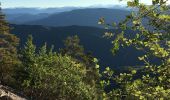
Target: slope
<point x="82" y="17"/>
<point x="91" y="39"/>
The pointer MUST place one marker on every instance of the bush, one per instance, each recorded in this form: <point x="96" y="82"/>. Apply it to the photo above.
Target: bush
<point x="47" y="75"/>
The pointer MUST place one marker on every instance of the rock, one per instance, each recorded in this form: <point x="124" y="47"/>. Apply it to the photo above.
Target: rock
<point x="7" y="93"/>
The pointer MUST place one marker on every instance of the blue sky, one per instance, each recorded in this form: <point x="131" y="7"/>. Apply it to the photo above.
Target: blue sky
<point x="60" y="3"/>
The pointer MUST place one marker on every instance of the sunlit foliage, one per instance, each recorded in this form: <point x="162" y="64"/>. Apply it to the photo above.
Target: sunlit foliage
<point x="150" y="24"/>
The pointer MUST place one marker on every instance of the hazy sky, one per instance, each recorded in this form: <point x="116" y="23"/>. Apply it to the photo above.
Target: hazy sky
<point x="60" y="3"/>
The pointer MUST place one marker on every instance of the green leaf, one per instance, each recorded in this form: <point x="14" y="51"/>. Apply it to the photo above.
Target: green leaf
<point x="133" y="71"/>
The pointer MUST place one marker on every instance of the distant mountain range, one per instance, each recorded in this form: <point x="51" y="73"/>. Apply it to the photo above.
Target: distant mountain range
<point x="56" y="9"/>
<point x="91" y="39"/>
<point x="54" y="25"/>
<point x="80" y="17"/>
<point x="22" y="15"/>
<point x="37" y="10"/>
<point x="23" y="18"/>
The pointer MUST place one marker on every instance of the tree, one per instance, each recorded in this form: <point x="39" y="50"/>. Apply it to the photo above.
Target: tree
<point x="76" y="51"/>
<point x="152" y="80"/>
<point x="8" y="51"/>
<point x="47" y="75"/>
<point x="73" y="47"/>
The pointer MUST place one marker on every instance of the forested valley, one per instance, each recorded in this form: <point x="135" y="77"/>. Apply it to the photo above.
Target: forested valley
<point x="125" y="60"/>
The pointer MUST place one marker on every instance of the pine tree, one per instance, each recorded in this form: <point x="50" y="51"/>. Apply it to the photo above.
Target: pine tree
<point x="8" y="50"/>
<point x="74" y="49"/>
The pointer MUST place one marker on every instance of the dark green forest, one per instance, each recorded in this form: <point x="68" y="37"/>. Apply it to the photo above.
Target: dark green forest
<point x="72" y="72"/>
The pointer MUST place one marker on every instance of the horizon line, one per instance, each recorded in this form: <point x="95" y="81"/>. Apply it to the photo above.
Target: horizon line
<point x="91" y="6"/>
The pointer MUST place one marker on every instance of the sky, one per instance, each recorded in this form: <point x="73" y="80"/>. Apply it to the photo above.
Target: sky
<point x="61" y="3"/>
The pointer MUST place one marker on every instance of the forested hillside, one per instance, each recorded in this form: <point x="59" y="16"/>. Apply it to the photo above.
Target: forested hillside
<point x="90" y="37"/>
<point x="74" y="62"/>
<point x="72" y="16"/>
<point x="82" y="17"/>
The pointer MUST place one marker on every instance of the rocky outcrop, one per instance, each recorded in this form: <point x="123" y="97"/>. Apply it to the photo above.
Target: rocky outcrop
<point x="7" y="93"/>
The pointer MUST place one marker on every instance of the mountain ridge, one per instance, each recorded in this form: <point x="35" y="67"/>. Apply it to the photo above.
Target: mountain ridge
<point x="90" y="38"/>
<point x="82" y="17"/>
